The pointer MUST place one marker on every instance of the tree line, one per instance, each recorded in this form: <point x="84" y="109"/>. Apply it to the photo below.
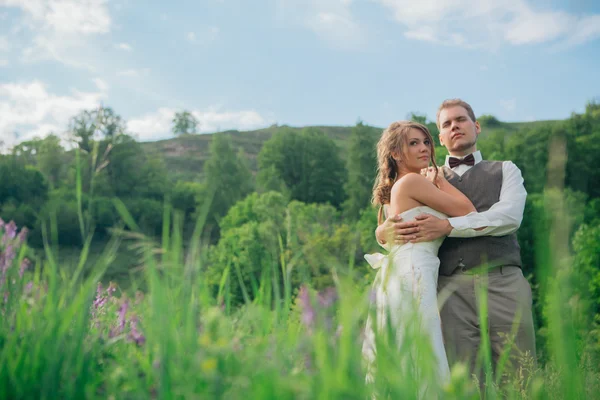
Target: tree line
<point x="306" y="209"/>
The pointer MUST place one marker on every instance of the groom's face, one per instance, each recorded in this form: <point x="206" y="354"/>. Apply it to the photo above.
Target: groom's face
<point x="458" y="132"/>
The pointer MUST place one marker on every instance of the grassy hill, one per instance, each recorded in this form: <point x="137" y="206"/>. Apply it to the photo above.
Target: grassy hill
<point x="185" y="155"/>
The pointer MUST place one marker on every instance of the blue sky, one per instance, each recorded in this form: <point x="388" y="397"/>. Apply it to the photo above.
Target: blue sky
<point x="248" y="64"/>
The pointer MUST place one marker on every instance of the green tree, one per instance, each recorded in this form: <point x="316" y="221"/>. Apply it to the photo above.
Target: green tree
<point x="228" y="178"/>
<point x="51" y="159"/>
<point x="184" y="123"/>
<point x="362" y="168"/>
<point x="487" y="120"/>
<point x="264" y="235"/>
<point x="90" y="125"/>
<point x="309" y="164"/>
<point x="583" y="148"/>
<point x="417" y="117"/>
<point x="21" y="184"/>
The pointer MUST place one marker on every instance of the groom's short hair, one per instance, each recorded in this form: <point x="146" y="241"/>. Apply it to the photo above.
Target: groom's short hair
<point x="455" y="102"/>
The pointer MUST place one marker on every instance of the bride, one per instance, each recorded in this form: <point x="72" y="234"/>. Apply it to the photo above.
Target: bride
<point x="406" y="283"/>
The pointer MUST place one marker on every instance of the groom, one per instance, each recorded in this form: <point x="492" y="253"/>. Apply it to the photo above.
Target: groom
<point x="480" y="248"/>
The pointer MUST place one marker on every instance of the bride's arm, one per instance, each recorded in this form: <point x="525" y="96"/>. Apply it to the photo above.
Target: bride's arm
<point x="446" y="199"/>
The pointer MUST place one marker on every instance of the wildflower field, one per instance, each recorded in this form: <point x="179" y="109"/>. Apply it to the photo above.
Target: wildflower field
<point x="234" y="293"/>
<point x="68" y="336"/>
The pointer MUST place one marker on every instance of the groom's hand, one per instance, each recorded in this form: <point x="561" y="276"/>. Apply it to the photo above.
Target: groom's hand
<point x="431" y="228"/>
<point x="395" y="230"/>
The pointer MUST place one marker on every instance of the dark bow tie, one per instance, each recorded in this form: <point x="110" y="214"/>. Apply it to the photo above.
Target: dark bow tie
<point x="455" y="162"/>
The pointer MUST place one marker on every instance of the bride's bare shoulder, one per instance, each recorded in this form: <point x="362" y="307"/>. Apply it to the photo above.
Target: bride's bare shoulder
<point x="409" y="180"/>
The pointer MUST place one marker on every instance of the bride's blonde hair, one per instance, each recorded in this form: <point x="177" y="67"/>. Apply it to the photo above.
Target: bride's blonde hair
<point x="393" y="140"/>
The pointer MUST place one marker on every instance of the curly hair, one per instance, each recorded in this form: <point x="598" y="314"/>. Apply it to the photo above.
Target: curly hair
<point x="393" y="140"/>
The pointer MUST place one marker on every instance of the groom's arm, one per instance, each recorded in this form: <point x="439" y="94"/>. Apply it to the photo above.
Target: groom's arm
<point x="503" y="218"/>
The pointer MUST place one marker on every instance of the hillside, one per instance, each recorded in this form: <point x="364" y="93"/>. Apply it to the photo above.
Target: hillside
<point x="185" y="155"/>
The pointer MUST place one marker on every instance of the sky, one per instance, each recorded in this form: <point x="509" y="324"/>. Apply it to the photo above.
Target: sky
<point x="239" y="64"/>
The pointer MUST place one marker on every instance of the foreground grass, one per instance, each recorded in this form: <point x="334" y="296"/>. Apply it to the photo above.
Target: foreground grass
<point x="68" y="337"/>
<point x="65" y="336"/>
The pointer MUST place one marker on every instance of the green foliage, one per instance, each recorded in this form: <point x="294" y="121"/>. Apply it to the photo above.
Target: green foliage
<point x="90" y="125"/>
<point x="265" y="233"/>
<point x="185" y="196"/>
<point x="586" y="247"/>
<point x="488" y="121"/>
<point x="184" y="123"/>
<point x="228" y="178"/>
<point x="129" y="170"/>
<point x="147" y="213"/>
<point x="50" y="160"/>
<point x="308" y="163"/>
<point x="174" y="340"/>
<point x="362" y="168"/>
<point x="417" y="117"/>
<point x="21" y="184"/>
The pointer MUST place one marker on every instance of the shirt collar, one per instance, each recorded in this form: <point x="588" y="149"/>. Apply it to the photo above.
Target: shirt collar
<point x="476" y="155"/>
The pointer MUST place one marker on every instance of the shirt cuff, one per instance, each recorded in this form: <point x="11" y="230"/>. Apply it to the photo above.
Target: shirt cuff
<point x="461" y="227"/>
<point x="459" y="223"/>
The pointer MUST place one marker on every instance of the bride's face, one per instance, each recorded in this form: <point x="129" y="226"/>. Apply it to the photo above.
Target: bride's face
<point x="417" y="153"/>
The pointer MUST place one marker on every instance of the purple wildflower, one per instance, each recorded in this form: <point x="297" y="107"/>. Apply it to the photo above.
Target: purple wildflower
<point x="308" y="312"/>
<point x="6" y="258"/>
<point x="24" y="265"/>
<point x="134" y="334"/>
<point x="121" y="320"/>
<point x="28" y="287"/>
<point x="112" y="287"/>
<point x="10" y="231"/>
<point x="100" y="298"/>
<point x="328" y="297"/>
<point x="22" y="236"/>
<point x="98" y="304"/>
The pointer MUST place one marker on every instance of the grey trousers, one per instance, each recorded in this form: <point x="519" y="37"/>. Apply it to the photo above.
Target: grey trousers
<point x="508" y="302"/>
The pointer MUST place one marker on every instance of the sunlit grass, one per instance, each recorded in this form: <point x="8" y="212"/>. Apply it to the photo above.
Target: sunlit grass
<point x="62" y="336"/>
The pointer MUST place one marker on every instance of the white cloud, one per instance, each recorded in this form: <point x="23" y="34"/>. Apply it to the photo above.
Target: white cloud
<point x="124" y="46"/>
<point x="205" y="35"/>
<point x="530" y="27"/>
<point x="340" y="29"/>
<point x="472" y="23"/>
<point x="65" y="16"/>
<point x="101" y="84"/>
<point x="134" y="73"/>
<point x="509" y="105"/>
<point x="29" y="109"/>
<point x="60" y="29"/>
<point x="331" y="20"/>
<point x="586" y="29"/>
<point x="4" y="43"/>
<point x="157" y="125"/>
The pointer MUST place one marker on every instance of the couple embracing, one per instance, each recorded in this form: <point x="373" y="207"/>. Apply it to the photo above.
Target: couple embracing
<point x="448" y="231"/>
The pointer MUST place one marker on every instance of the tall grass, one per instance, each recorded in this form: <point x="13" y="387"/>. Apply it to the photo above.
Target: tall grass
<point x="66" y="337"/>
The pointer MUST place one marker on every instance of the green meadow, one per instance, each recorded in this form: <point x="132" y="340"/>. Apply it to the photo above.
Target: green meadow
<point x="230" y="265"/>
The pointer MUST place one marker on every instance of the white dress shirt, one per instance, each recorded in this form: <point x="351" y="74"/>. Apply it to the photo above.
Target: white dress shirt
<point x="505" y="216"/>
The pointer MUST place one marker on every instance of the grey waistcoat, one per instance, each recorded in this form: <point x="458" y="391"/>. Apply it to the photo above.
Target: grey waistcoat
<point x="481" y="184"/>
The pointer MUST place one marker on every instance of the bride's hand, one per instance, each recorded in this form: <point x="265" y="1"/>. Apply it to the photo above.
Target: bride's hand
<point x="431" y="175"/>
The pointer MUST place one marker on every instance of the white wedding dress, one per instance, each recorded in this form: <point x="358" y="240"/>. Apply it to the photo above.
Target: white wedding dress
<point x="407" y="283"/>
